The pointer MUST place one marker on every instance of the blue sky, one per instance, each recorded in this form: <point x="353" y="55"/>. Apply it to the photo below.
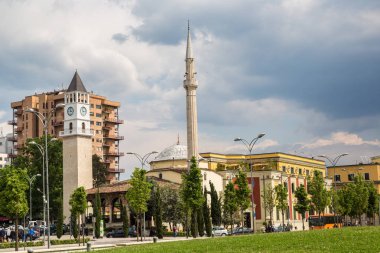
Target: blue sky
<point x="305" y="72"/>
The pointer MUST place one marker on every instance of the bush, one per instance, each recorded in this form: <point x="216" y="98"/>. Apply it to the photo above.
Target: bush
<point x="68" y="241"/>
<point x="7" y="245"/>
<point x="170" y="233"/>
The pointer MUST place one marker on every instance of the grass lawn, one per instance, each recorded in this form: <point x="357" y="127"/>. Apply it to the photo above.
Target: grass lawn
<point x="354" y="239"/>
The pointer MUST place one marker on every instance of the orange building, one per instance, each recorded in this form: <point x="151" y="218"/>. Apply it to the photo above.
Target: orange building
<point x="104" y="117"/>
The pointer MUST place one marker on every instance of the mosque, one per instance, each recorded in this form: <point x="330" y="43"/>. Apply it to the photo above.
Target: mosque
<point x="172" y="162"/>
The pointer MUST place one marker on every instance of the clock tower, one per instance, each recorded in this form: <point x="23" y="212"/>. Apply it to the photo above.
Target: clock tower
<point x="77" y="144"/>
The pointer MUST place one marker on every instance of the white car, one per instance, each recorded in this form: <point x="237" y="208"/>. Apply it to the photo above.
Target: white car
<point x="219" y="231"/>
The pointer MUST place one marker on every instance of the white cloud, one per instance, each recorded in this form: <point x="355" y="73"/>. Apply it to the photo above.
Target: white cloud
<point x="344" y="138"/>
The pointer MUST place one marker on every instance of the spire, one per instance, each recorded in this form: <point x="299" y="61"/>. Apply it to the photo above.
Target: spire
<point x="76" y="84"/>
<point x="189" y="51"/>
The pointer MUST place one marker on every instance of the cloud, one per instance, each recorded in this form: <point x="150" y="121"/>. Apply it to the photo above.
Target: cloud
<point x="344" y="138"/>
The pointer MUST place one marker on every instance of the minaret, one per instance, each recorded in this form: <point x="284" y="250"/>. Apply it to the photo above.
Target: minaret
<point x="191" y="84"/>
<point x="77" y="144"/>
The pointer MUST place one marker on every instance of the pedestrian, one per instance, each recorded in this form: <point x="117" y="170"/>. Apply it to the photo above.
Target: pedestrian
<point x="175" y="231"/>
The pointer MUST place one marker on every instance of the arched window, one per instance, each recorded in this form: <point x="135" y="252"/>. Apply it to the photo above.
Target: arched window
<point x="83" y="127"/>
<point x="71" y="127"/>
<point x="160" y="176"/>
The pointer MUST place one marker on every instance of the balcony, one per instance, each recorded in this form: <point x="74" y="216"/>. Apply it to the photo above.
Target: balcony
<point x="105" y="127"/>
<point x="115" y="170"/>
<point x="58" y="123"/>
<point x="107" y="161"/>
<point x="12" y="138"/>
<point x="106" y="144"/>
<point x="114" y="120"/>
<point x="12" y="122"/>
<point x="114" y="153"/>
<point x="19" y="129"/>
<point x="12" y="155"/>
<point x="114" y="137"/>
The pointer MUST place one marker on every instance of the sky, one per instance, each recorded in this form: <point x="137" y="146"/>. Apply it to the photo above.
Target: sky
<point x="305" y="72"/>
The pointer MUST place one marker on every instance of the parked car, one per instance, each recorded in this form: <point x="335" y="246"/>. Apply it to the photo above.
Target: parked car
<point x="281" y="228"/>
<point x="241" y="230"/>
<point x="219" y="231"/>
<point x="120" y="233"/>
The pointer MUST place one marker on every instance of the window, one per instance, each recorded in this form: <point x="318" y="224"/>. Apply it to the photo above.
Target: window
<point x="71" y="126"/>
<point x="337" y="178"/>
<point x="160" y="176"/>
<point x="351" y="177"/>
<point x="286" y="185"/>
<point x="92" y="106"/>
<point x="91" y="122"/>
<point x="98" y="106"/>
<point x="204" y="176"/>
<point x="292" y="187"/>
<point x="366" y="176"/>
<point x="1" y="158"/>
<point x="99" y="123"/>
<point x="91" y="113"/>
<point x="307" y="172"/>
<point x="98" y="115"/>
<point x="292" y="170"/>
<point x="300" y="171"/>
<point x="283" y="168"/>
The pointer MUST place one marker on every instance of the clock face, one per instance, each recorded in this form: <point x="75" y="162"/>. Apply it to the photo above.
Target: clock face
<point x="70" y="111"/>
<point x="83" y="111"/>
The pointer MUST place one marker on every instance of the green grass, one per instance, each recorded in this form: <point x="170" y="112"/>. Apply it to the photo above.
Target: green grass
<point x="357" y="239"/>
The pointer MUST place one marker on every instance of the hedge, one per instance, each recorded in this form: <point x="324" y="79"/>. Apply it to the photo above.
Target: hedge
<point x="6" y="245"/>
<point x="68" y="241"/>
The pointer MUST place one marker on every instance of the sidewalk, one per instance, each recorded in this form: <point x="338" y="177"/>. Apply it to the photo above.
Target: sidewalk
<point x="102" y="243"/>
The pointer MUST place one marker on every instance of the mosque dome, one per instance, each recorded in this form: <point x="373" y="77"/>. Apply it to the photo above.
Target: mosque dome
<point x="174" y="152"/>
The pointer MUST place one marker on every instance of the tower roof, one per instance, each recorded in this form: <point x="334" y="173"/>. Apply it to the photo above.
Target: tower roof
<point x="189" y="51"/>
<point x="76" y="84"/>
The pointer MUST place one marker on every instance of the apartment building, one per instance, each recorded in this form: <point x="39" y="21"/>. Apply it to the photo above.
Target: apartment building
<point x="105" y="124"/>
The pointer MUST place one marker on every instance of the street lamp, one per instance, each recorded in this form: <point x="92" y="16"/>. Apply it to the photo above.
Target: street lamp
<point x="333" y="163"/>
<point x="31" y="180"/>
<point x="249" y="146"/>
<point x="45" y="121"/>
<point x="143" y="160"/>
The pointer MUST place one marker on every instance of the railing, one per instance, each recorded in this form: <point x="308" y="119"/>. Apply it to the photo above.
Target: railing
<point x="114" y="153"/>
<point x="78" y="131"/>
<point x="105" y="144"/>
<point x="114" y="120"/>
<point x="106" y="127"/>
<point x="115" y="170"/>
<point x="12" y="122"/>
<point x="19" y="129"/>
<point x="116" y="137"/>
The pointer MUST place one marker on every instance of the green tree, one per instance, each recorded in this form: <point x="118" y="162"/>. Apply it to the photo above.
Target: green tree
<point x="99" y="171"/>
<point x="229" y="204"/>
<point x="303" y="203"/>
<point x="318" y="192"/>
<point x="78" y="203"/>
<point x="242" y="193"/>
<point x="216" y="207"/>
<point x="360" y="197"/>
<point x="60" y="220"/>
<point x="201" y="222"/>
<point x="281" y="200"/>
<point x="206" y="214"/>
<point x="171" y="206"/>
<point x="73" y="225"/>
<point x="269" y="201"/>
<point x="158" y="213"/>
<point x="31" y="158"/>
<point x="138" y="195"/>
<point x="345" y="200"/>
<point x="13" y="202"/>
<point x="191" y="193"/>
<point x="124" y="215"/>
<point x="373" y="202"/>
<point x="97" y="214"/>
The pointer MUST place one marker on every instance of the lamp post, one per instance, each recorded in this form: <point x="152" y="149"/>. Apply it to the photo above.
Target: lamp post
<point x="45" y="121"/>
<point x="30" y="181"/>
<point x="249" y="146"/>
<point x="142" y="160"/>
<point x="333" y="163"/>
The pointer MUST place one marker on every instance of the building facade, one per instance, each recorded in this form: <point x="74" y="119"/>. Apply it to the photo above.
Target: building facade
<point x="104" y="121"/>
<point x="5" y="149"/>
